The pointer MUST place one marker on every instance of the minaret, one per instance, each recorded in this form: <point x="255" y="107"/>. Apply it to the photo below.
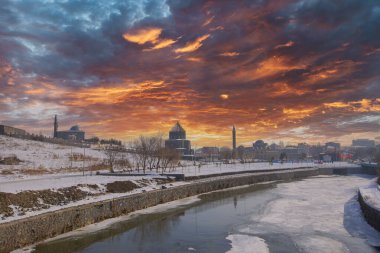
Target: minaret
<point x="233" y="141"/>
<point x="55" y="135"/>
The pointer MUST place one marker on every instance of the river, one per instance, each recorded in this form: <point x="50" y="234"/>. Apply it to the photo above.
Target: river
<point x="318" y="214"/>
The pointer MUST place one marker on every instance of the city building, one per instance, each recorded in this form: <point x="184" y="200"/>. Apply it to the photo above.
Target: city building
<point x="363" y="143"/>
<point x="11" y="131"/>
<point x="259" y="145"/>
<point x="244" y="153"/>
<point x="292" y="153"/>
<point x="74" y="133"/>
<point x="332" y="146"/>
<point x="260" y="151"/>
<point x="177" y="140"/>
<point x="303" y="150"/>
<point x="209" y="154"/>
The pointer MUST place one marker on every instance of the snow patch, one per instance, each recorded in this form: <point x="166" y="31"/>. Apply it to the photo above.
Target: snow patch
<point x="321" y="244"/>
<point x="371" y="194"/>
<point x="246" y="243"/>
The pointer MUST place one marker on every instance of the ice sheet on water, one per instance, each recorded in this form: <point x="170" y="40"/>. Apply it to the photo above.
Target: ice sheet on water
<point x="316" y="208"/>
<point x="247" y="244"/>
<point x="320" y="244"/>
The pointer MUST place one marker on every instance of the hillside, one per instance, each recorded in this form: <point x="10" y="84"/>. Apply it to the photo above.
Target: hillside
<point x="27" y="157"/>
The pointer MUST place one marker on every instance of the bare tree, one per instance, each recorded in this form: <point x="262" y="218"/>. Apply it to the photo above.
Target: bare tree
<point x="155" y="145"/>
<point x="151" y="153"/>
<point x="145" y="152"/>
<point x="111" y="157"/>
<point x="122" y="162"/>
<point x="169" y="158"/>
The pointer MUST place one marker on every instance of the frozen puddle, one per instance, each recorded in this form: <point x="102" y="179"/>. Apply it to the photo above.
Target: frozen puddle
<point x="247" y="244"/>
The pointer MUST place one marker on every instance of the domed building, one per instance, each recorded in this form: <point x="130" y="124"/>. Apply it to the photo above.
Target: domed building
<point x="74" y="133"/>
<point x="177" y="140"/>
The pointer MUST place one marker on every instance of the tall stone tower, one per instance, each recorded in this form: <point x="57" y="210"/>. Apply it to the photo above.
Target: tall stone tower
<point x="233" y="142"/>
<point x="55" y="135"/>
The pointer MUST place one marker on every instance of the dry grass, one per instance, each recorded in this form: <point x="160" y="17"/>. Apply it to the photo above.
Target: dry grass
<point x="78" y="157"/>
<point x="99" y="166"/>
<point x="10" y="160"/>
<point x="6" y="172"/>
<point x="32" y="172"/>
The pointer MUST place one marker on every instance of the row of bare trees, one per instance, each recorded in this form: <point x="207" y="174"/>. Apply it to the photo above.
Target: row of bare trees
<point x="148" y="153"/>
<point x="151" y="154"/>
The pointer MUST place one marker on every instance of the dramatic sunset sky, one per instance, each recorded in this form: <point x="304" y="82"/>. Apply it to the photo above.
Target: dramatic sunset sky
<point x="291" y="70"/>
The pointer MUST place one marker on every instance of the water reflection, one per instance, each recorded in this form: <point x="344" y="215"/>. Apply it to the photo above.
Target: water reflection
<point x="182" y="226"/>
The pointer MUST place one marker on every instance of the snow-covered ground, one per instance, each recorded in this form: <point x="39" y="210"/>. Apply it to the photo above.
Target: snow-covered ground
<point x="10" y="183"/>
<point x="44" y="157"/>
<point x="207" y="169"/>
<point x="55" y="170"/>
<point x="371" y="194"/>
<point x="61" y="181"/>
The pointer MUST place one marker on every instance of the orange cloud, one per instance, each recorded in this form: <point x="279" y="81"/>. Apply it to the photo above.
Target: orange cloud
<point x="288" y="44"/>
<point x="292" y="113"/>
<point x="149" y="35"/>
<point x="35" y="91"/>
<point x="143" y="36"/>
<point x="274" y="65"/>
<point x="163" y="43"/>
<point x="224" y="96"/>
<point x="229" y="54"/>
<point x="284" y="89"/>
<point x="192" y="46"/>
<point x="108" y="95"/>
<point x="208" y="21"/>
<point x="194" y="59"/>
<point x="364" y="105"/>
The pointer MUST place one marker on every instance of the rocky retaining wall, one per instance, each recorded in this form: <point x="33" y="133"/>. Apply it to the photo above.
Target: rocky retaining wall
<point x="371" y="214"/>
<point x="346" y="170"/>
<point x="19" y="233"/>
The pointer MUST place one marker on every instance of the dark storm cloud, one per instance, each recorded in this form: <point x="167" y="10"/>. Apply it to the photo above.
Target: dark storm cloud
<point x="268" y="66"/>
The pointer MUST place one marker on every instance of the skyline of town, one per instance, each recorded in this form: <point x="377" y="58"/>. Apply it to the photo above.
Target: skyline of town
<point x="78" y="135"/>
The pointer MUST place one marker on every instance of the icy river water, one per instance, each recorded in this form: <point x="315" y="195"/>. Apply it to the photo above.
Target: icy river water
<point x="313" y="215"/>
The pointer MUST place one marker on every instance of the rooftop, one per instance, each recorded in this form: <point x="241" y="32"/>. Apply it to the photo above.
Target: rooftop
<point x="177" y="128"/>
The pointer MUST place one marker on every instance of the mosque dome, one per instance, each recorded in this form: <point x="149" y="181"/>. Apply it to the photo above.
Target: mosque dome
<point x="74" y="128"/>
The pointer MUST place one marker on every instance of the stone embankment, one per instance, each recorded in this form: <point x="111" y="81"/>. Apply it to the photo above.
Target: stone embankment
<point x="371" y="213"/>
<point x="19" y="233"/>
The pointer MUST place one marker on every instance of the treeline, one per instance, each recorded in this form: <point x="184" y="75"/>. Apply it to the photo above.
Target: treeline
<point x="149" y="154"/>
<point x="96" y="140"/>
<point x="43" y="138"/>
